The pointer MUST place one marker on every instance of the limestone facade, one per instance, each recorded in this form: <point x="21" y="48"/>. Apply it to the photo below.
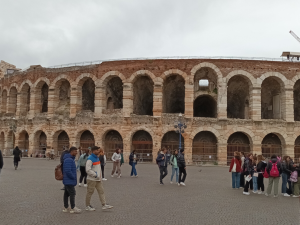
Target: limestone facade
<point x="251" y="106"/>
<point x="4" y="66"/>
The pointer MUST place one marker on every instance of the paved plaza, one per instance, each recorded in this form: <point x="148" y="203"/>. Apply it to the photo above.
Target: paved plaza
<point x="32" y="196"/>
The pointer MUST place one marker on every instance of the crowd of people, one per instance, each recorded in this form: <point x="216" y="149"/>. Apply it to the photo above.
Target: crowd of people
<point x="249" y="171"/>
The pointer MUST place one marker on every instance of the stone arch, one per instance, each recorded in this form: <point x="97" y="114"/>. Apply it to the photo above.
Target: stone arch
<point x="13" y="85"/>
<point x="248" y="76"/>
<point x="61" y="141"/>
<point x="113" y="88"/>
<point x="136" y="129"/>
<point x="4" y="100"/>
<point x="281" y="134"/>
<point x="39" y="82"/>
<point x="271" y="145"/>
<point x="41" y="91"/>
<point x="205" y="106"/>
<point x="296" y="99"/>
<point x="112" y="139"/>
<point x="170" y="140"/>
<point x="209" y="65"/>
<point x="12" y="99"/>
<point x="2" y="141"/>
<point x="24" y="98"/>
<point x="23" y="142"/>
<point x="87" y="139"/>
<point x="62" y="95"/>
<point x="170" y="72"/>
<point x="109" y="75"/>
<point x="247" y="132"/>
<point x="82" y="78"/>
<point x="280" y="78"/>
<point x="142" y="143"/>
<point x="86" y="89"/>
<point x="209" y="129"/>
<point x="24" y="83"/>
<point x="55" y="84"/>
<point x="238" y="141"/>
<point x="139" y="73"/>
<point x="39" y="143"/>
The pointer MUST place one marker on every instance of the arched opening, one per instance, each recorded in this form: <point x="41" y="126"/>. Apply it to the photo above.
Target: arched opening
<point x="239" y="142"/>
<point x="205" y="106"/>
<point x="113" y="140"/>
<point x="44" y="97"/>
<point x="4" y="101"/>
<point x="143" y="96"/>
<point x="173" y="94"/>
<point x="24" y="143"/>
<point x="62" y="96"/>
<point x="142" y="143"/>
<point x="12" y="106"/>
<point x="87" y="140"/>
<point x="297" y="101"/>
<point x="297" y="150"/>
<point x="271" y="145"/>
<point x="204" y="147"/>
<point x="63" y="142"/>
<point x="88" y="95"/>
<point x="271" y="98"/>
<point x="238" y="98"/>
<point x="10" y="141"/>
<point x="171" y="141"/>
<point x="2" y="142"/>
<point x="41" y="145"/>
<point x="25" y="100"/>
<point x="114" y="93"/>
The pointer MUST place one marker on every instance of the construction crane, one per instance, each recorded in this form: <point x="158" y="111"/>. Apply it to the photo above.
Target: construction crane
<point x="292" y="55"/>
<point x="295" y="36"/>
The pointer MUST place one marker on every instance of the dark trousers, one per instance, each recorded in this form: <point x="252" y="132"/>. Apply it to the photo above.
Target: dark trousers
<point x="163" y="172"/>
<point x="69" y="192"/>
<point x="260" y="182"/>
<point x="242" y="180"/>
<point x="182" y="170"/>
<point x="16" y="161"/>
<point x="83" y="174"/>
<point x="102" y="170"/>
<point x="248" y="183"/>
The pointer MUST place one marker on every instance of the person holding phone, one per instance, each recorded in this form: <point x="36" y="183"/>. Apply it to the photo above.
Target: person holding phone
<point x="116" y="158"/>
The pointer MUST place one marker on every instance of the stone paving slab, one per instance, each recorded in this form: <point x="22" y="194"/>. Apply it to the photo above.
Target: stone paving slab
<point x="32" y="196"/>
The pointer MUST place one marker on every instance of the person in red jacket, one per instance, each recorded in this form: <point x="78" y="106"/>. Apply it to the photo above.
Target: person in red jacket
<point x="235" y="169"/>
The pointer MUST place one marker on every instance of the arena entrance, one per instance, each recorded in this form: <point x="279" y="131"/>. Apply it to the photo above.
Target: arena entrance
<point x="24" y="143"/>
<point x="204" y="147"/>
<point x="237" y="142"/>
<point x="271" y="145"/>
<point x="171" y="141"/>
<point x="142" y="143"/>
<point x="86" y="140"/>
<point x="42" y="147"/>
<point x="63" y="142"/>
<point x="297" y="150"/>
<point x="113" y="140"/>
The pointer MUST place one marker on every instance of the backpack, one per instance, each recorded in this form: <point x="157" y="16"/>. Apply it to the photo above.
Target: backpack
<point x="294" y="177"/>
<point x="265" y="174"/>
<point x="58" y="173"/>
<point x="274" y="170"/>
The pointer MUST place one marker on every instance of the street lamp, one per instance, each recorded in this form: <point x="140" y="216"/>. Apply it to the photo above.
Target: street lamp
<point x="180" y="126"/>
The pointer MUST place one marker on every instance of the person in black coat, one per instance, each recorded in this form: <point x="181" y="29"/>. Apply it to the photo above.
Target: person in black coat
<point x="182" y="167"/>
<point x="248" y="169"/>
<point x="1" y="161"/>
<point x="17" y="156"/>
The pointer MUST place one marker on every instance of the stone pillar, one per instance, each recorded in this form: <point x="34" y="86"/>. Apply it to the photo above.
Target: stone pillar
<point x="127" y="99"/>
<point x="288" y="105"/>
<point x="255" y="103"/>
<point x="99" y="100"/>
<point x="156" y="146"/>
<point x="256" y="149"/>
<point x="19" y="105"/>
<point x="75" y="101"/>
<point x="52" y="102"/>
<point x="32" y="104"/>
<point x="189" y="98"/>
<point x="222" y="101"/>
<point x="289" y="150"/>
<point x="188" y="152"/>
<point x="157" y="98"/>
<point x="32" y="144"/>
<point x="222" y="154"/>
<point x="126" y="142"/>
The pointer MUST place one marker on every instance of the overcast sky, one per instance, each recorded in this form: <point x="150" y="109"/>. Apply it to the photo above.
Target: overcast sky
<point x="66" y="31"/>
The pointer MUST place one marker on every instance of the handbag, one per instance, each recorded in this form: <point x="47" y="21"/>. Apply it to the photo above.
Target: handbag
<point x="294" y="177"/>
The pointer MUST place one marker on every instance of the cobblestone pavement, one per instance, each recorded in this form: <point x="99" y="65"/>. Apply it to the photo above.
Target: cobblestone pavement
<point x="31" y="196"/>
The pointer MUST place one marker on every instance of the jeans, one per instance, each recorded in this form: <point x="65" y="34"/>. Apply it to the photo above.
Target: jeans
<point x="163" y="172"/>
<point x="284" y="183"/>
<point x="83" y="174"/>
<point x="272" y="180"/>
<point x="260" y="182"/>
<point x="236" y="179"/>
<point x="254" y="183"/>
<point x="69" y="192"/>
<point x="175" y="170"/>
<point x="133" y="169"/>
<point x="182" y="171"/>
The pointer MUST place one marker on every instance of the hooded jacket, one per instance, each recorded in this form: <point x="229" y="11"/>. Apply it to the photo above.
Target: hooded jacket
<point x="93" y="168"/>
<point x="160" y="161"/>
<point x="69" y="171"/>
<point x="270" y="164"/>
<point x="180" y="160"/>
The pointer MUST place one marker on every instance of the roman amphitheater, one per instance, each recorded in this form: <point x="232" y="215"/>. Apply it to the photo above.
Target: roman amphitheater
<point x="245" y="105"/>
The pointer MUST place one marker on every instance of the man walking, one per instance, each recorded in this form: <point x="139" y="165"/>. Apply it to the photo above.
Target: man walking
<point x="70" y="181"/>
<point x="94" y="180"/>
<point x="1" y="161"/>
<point x="66" y="151"/>
<point x="182" y="167"/>
<point x="17" y="156"/>
<point x="162" y="162"/>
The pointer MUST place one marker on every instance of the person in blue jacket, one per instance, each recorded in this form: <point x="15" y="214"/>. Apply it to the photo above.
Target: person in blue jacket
<point x="70" y="180"/>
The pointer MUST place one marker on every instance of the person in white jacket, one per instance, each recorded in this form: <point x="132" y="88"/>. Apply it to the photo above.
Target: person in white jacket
<point x="116" y="158"/>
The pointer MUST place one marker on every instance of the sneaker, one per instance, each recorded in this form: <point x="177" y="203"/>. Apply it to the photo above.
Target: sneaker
<point x="79" y="184"/>
<point x="75" y="210"/>
<point x="107" y="207"/>
<point x="181" y="183"/>
<point x="85" y="185"/>
<point x="275" y="196"/>
<point x="15" y="168"/>
<point x="178" y="184"/>
<point x="161" y="183"/>
<point x="119" y="176"/>
<point x="112" y="175"/>
<point x="295" y="196"/>
<point x="260" y="192"/>
<point x="246" y="193"/>
<point x="66" y="210"/>
<point x="104" y="179"/>
<point x="286" y="195"/>
<point x="171" y="182"/>
<point x="137" y="176"/>
<point x="90" y="208"/>
<point x="266" y="194"/>
<point x="254" y="192"/>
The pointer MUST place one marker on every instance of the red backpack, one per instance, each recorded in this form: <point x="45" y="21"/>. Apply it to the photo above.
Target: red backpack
<point x="274" y="170"/>
<point x="266" y="175"/>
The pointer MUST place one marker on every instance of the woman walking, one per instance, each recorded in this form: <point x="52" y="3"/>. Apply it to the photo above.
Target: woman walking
<point x="235" y="169"/>
<point x="175" y="168"/>
<point x="17" y="157"/>
<point x="132" y="163"/>
<point x="261" y="165"/>
<point x="102" y="159"/>
<point x="81" y="166"/>
<point x="248" y="171"/>
<point x="116" y="158"/>
<point x="286" y="172"/>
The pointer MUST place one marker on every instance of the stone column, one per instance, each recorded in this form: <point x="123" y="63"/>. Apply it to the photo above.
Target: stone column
<point x="32" y="104"/>
<point x="188" y="152"/>
<point x="189" y="98"/>
<point x="256" y="149"/>
<point x="222" y="101"/>
<point x="32" y="144"/>
<point x="157" y="98"/>
<point x="289" y="150"/>
<point x="126" y="143"/>
<point x="99" y="100"/>
<point x="156" y="145"/>
<point x="222" y="154"/>
<point x="255" y="103"/>
<point x="52" y="103"/>
<point x="127" y="99"/>
<point x="288" y="105"/>
<point x="75" y="101"/>
<point x="19" y="105"/>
